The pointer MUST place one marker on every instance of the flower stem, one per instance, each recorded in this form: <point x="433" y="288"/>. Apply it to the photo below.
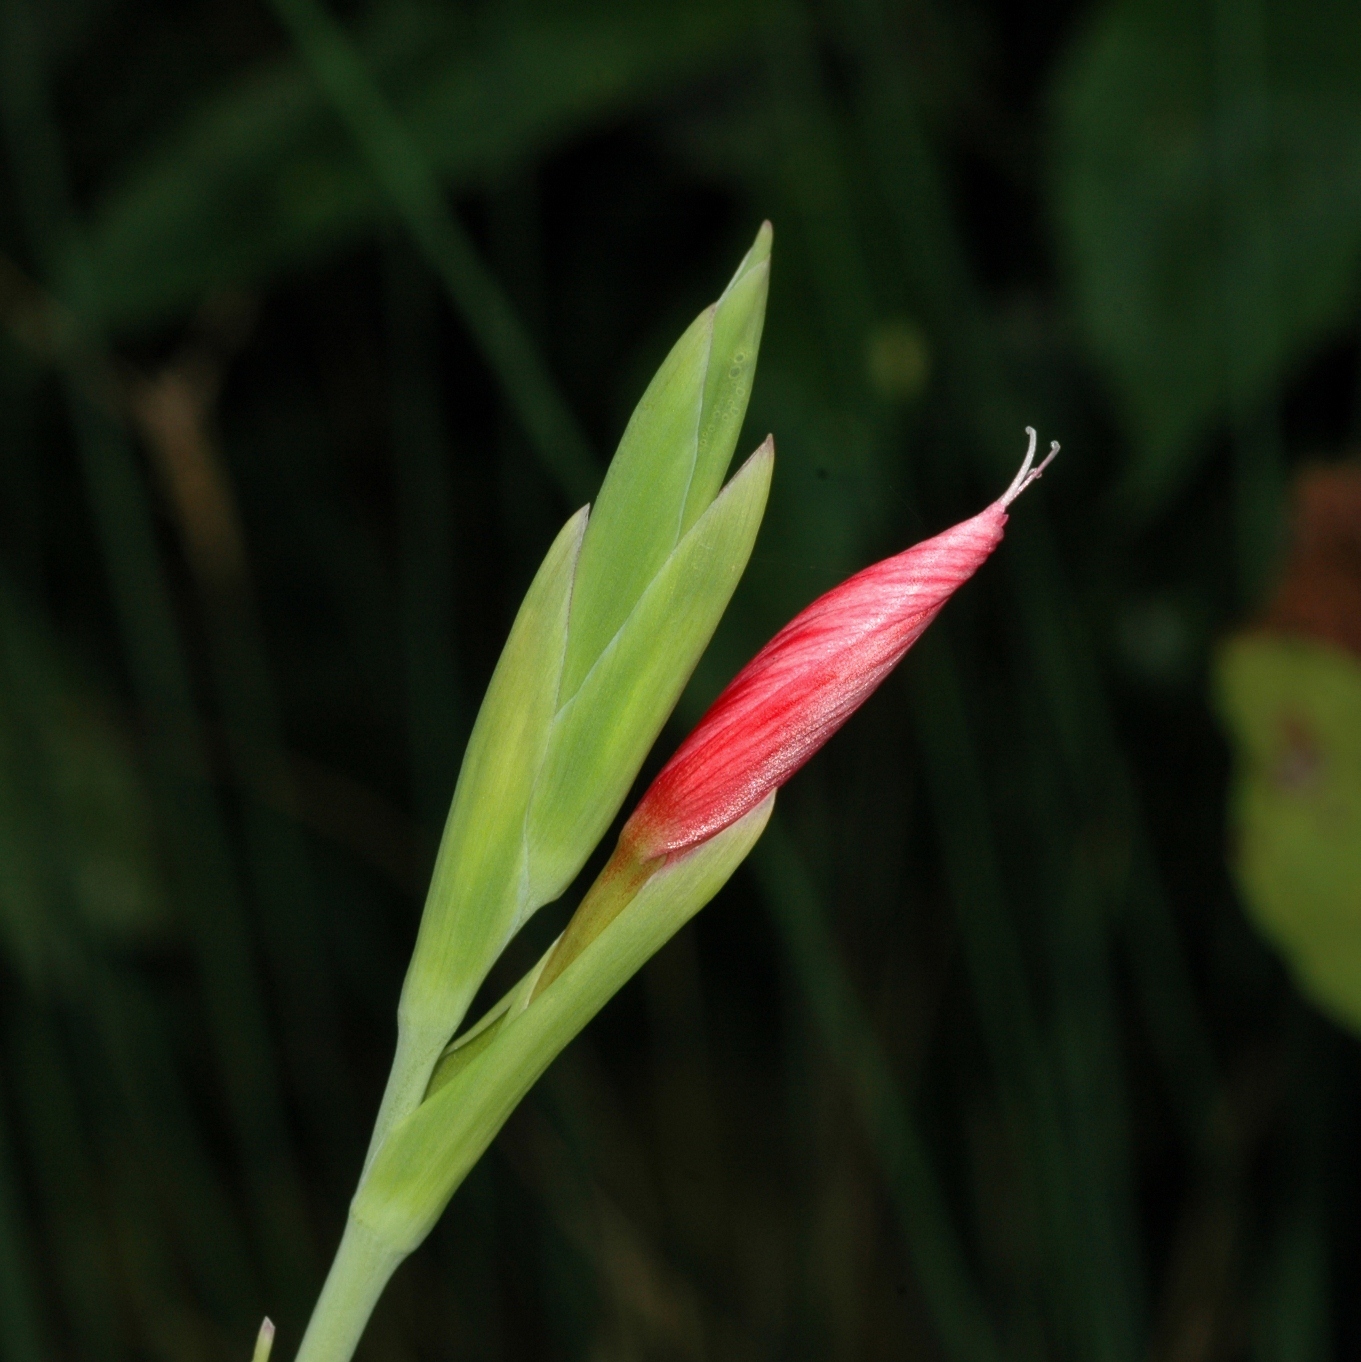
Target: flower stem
<point x="363" y="1264"/>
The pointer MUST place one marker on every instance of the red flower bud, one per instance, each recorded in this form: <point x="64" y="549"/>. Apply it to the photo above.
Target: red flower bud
<point x="784" y="704"/>
<point x="807" y="681"/>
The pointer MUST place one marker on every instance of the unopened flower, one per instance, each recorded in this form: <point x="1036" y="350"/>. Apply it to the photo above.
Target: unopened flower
<point x="788" y="701"/>
<point x="808" y="680"/>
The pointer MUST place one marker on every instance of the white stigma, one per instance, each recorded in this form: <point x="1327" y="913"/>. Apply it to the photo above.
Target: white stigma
<point x="1027" y="473"/>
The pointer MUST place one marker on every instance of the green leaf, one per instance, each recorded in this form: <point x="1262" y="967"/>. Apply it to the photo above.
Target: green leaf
<point x="1211" y="221"/>
<point x="1293" y="709"/>
<point x="671" y="461"/>
<point x="601" y="736"/>
<point x="429" y="1153"/>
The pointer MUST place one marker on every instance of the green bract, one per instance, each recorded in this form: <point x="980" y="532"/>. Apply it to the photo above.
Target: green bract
<point x="429" y="1153"/>
<point x="614" y="623"/>
<point x="480" y="870"/>
<point x="603" y="644"/>
<point x="670" y="463"/>
<point x="601" y="735"/>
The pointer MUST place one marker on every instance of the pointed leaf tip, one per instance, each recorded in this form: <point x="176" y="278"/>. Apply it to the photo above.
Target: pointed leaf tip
<point x="264" y="1341"/>
<point x="758" y="254"/>
<point x="671" y="461"/>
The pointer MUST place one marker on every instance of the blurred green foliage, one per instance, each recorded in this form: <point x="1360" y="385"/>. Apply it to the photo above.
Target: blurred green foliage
<point x="1208" y="185"/>
<point x="316" y="329"/>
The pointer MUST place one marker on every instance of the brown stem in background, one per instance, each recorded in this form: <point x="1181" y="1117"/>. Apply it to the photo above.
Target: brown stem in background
<point x="1319" y="595"/>
<point x="171" y="411"/>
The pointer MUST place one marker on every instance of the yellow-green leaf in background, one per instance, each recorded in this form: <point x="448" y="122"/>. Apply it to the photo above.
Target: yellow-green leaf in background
<point x="1293" y="710"/>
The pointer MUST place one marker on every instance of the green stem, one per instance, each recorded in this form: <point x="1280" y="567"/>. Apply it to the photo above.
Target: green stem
<point x="362" y="1267"/>
<point x="418" y="1050"/>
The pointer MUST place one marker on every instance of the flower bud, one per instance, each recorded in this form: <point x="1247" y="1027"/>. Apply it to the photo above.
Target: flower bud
<point x="781" y="707"/>
<point x="807" y="681"/>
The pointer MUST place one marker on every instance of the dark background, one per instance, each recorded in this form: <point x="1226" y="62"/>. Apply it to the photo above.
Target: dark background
<point x="314" y="334"/>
